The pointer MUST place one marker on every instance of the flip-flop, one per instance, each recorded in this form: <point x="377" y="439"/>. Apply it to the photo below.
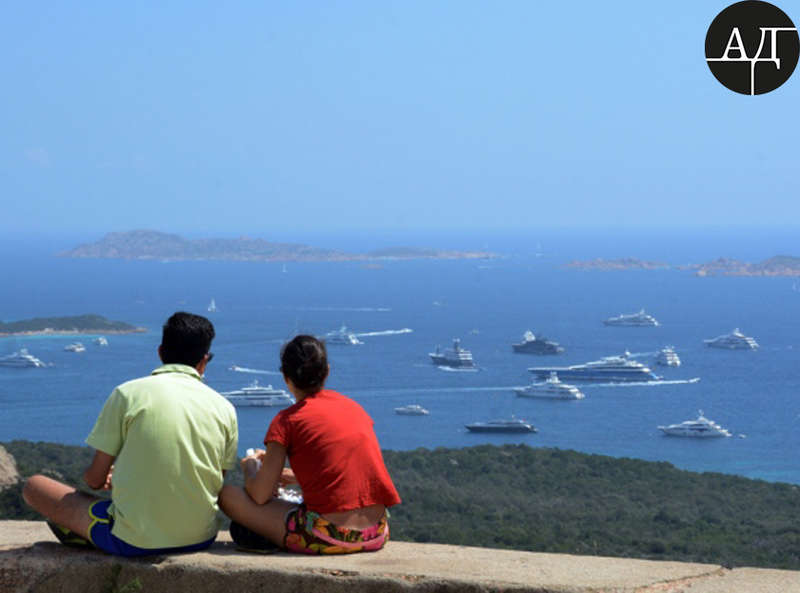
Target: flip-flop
<point x="68" y="537"/>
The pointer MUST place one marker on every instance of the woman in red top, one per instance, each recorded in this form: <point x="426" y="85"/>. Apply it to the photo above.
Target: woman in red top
<point x="335" y="458"/>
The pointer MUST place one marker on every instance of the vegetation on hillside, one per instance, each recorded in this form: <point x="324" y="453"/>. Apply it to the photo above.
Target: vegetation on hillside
<point x="549" y="500"/>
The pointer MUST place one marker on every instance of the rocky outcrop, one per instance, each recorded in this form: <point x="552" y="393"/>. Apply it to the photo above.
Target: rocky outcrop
<point x="8" y="469"/>
<point x="31" y="561"/>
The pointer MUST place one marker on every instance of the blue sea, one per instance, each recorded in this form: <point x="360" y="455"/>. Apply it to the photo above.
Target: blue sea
<point x="488" y="304"/>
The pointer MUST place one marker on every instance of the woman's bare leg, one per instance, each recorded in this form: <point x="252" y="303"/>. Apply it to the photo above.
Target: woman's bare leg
<point x="267" y="519"/>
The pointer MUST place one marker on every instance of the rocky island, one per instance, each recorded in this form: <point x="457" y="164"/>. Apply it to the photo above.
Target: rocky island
<point x="79" y="324"/>
<point x="779" y="265"/>
<point x="624" y="263"/>
<point x="146" y="244"/>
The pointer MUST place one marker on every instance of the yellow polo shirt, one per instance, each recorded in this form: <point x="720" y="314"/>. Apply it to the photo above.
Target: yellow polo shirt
<point x="172" y="436"/>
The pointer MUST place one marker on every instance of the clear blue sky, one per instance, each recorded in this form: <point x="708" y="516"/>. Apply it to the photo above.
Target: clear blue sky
<point x="268" y="117"/>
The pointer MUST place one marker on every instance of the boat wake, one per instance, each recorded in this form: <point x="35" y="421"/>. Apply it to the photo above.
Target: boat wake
<point x="388" y="332"/>
<point x="643" y="383"/>
<point x="238" y="369"/>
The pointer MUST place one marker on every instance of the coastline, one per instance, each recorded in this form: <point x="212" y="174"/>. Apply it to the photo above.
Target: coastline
<point x="74" y="332"/>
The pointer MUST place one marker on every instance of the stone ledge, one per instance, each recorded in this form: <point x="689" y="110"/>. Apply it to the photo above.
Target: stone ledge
<point x="31" y="561"/>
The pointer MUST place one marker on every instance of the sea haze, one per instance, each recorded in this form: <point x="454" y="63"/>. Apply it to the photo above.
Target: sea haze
<point x="487" y="303"/>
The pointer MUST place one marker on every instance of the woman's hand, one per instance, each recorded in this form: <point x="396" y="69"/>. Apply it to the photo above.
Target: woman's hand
<point x="287" y="477"/>
<point x="252" y="462"/>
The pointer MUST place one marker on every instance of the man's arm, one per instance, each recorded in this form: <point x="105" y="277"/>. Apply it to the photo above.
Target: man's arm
<point x="98" y="474"/>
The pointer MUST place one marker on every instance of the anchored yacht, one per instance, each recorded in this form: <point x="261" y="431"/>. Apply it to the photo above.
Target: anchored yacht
<point x="552" y="388"/>
<point x="258" y="395"/>
<point x="735" y="340"/>
<point x="668" y="357"/>
<point x="20" y="359"/>
<point x="75" y="347"/>
<point x="512" y="425"/>
<point x="640" y="319"/>
<point x="456" y="357"/>
<point x="532" y="344"/>
<point x="608" y="368"/>
<point x="700" y="428"/>
<point x="411" y="410"/>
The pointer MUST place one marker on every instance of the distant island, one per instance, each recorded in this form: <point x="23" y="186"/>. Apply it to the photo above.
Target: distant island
<point x="625" y="263"/>
<point x="79" y="324"/>
<point x="779" y="265"/>
<point x="146" y="244"/>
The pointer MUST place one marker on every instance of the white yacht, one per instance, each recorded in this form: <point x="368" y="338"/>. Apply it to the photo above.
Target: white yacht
<point x="512" y="425"/>
<point x="608" y="368"/>
<point x="258" y="395"/>
<point x="668" y="357"/>
<point x="100" y="341"/>
<point x="20" y="359"/>
<point x="342" y="336"/>
<point x="639" y="319"/>
<point x="735" y="340"/>
<point x="75" y="347"/>
<point x="411" y="410"/>
<point x="700" y="428"/>
<point x="552" y="388"/>
<point x="212" y="306"/>
<point x="455" y="357"/>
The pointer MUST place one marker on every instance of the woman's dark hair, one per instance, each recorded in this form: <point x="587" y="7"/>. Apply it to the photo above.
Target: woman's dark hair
<point x="304" y="360"/>
<point x="186" y="339"/>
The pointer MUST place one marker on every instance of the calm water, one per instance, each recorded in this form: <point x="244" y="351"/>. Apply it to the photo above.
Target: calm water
<point x="488" y="304"/>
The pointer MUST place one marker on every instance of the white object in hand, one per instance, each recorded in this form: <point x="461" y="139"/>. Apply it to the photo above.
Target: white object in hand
<point x="250" y="452"/>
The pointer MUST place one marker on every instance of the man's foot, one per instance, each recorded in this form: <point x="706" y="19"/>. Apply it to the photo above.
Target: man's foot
<point x="68" y="537"/>
<point x="250" y="541"/>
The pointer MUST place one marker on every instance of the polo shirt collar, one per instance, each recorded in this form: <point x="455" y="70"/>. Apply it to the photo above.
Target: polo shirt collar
<point x="178" y="368"/>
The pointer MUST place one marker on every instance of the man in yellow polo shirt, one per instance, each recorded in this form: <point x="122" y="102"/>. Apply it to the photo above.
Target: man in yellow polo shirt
<point x="168" y="439"/>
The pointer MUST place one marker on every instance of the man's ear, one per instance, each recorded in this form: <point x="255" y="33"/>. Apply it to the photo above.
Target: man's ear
<point x="160" y="357"/>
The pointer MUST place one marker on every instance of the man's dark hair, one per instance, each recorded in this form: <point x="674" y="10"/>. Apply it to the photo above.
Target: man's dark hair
<point x="186" y="339"/>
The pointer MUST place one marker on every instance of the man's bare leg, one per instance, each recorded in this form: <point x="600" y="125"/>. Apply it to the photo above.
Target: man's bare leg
<point x="60" y="503"/>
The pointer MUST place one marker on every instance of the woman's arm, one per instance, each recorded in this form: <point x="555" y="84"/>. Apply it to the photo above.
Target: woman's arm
<point x="260" y="483"/>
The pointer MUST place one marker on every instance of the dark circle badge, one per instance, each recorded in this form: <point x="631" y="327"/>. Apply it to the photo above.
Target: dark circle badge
<point x="752" y="47"/>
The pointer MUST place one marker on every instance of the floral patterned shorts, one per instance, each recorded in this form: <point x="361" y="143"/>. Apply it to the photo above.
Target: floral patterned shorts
<point x="308" y="533"/>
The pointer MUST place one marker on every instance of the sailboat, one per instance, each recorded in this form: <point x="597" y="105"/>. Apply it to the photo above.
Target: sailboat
<point x="212" y="306"/>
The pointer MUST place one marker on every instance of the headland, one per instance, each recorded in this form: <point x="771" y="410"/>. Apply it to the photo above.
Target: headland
<point x="80" y="324"/>
<point x="155" y="245"/>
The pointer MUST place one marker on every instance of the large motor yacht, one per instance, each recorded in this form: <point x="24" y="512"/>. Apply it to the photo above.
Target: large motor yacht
<point x="512" y="425"/>
<point x="700" y="428"/>
<point x="552" y="388"/>
<point x="639" y="319"/>
<point x="411" y="410"/>
<point x="735" y="340"/>
<point x="342" y="336"/>
<point x="532" y="344"/>
<point x="455" y="357"/>
<point x="20" y="359"/>
<point x="668" y="357"/>
<point x="608" y="368"/>
<point x="258" y="395"/>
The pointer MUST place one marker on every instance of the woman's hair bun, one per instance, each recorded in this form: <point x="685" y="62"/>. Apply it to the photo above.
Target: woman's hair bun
<point x="304" y="360"/>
